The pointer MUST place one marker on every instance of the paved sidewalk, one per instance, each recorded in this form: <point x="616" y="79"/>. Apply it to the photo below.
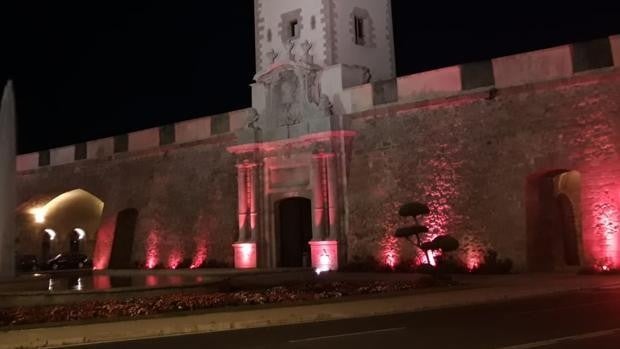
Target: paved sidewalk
<point x="482" y="289"/>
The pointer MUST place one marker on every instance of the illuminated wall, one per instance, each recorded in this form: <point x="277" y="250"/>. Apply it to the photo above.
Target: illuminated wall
<point x="463" y="139"/>
<point x="469" y="158"/>
<point x="180" y="202"/>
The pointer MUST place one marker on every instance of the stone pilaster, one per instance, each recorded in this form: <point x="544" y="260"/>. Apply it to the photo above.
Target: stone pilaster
<point x="318" y="208"/>
<point x="332" y="199"/>
<point x="242" y="209"/>
<point x="247" y="206"/>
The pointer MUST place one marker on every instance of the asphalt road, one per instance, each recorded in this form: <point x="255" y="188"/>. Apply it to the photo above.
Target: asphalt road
<point x="588" y="319"/>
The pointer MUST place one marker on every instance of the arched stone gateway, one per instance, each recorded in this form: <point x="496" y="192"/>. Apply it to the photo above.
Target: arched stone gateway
<point x="554" y="234"/>
<point x="66" y="223"/>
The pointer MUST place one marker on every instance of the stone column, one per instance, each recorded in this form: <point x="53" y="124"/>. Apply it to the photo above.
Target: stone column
<point x="7" y="182"/>
<point x="245" y="248"/>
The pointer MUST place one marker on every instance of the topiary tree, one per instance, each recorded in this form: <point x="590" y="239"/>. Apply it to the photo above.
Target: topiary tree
<point x="444" y="243"/>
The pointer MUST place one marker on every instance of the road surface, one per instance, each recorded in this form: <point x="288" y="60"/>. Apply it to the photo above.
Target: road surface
<point x="586" y="319"/>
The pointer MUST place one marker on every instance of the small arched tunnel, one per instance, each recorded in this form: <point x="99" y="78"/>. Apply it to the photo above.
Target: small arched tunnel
<point x="553" y="208"/>
<point x="65" y="224"/>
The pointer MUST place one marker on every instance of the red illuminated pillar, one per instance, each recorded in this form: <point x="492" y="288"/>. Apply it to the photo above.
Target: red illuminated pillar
<point x="242" y="207"/>
<point x="245" y="248"/>
<point x="324" y="246"/>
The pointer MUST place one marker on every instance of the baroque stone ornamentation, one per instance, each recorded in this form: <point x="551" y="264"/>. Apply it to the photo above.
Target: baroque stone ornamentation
<point x="253" y="119"/>
<point x="306" y="46"/>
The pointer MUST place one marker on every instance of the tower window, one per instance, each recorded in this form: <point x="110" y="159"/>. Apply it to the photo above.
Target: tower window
<point x="362" y="28"/>
<point x="293" y="29"/>
<point x="291" y="25"/>
<point x="360" y="31"/>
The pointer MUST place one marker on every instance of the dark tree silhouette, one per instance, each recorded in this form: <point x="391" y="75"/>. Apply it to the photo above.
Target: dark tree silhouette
<point x="445" y="243"/>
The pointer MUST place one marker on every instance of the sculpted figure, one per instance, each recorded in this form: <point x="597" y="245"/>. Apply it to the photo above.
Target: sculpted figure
<point x="253" y="119"/>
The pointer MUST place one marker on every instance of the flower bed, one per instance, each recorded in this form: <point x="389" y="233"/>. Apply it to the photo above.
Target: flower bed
<point x="181" y="302"/>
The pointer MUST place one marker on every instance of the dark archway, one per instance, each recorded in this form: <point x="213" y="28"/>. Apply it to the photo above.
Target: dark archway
<point x="553" y="219"/>
<point x="567" y="227"/>
<point x="46" y="246"/>
<point x="122" y="247"/>
<point x="74" y="242"/>
<point x="294" y="232"/>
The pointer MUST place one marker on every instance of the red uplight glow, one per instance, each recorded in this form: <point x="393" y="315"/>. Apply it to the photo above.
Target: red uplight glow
<point x="200" y="255"/>
<point x="473" y="260"/>
<point x="152" y="250"/>
<point x="390" y="251"/>
<point x="245" y="255"/>
<point x="175" y="258"/>
<point x="103" y="244"/>
<point x="606" y="231"/>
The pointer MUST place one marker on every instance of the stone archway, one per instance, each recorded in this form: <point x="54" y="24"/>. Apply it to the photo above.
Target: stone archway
<point x="70" y="220"/>
<point x="553" y="220"/>
<point x="293" y="223"/>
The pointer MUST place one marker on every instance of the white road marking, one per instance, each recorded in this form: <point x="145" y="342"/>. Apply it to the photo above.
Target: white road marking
<point x="351" y="334"/>
<point x="555" y="341"/>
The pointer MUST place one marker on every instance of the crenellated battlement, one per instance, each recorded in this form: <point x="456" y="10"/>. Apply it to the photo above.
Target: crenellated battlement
<point x="521" y="69"/>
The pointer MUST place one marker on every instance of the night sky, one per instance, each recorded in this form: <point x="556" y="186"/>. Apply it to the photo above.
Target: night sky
<point x="84" y="71"/>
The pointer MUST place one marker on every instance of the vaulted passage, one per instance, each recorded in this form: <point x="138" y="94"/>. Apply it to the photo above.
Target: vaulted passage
<point x="294" y="231"/>
<point x="553" y="220"/>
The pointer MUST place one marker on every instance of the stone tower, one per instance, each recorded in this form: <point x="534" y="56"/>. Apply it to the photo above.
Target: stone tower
<point x="355" y="33"/>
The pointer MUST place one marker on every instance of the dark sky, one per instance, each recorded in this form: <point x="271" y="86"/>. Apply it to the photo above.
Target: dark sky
<point x="84" y="71"/>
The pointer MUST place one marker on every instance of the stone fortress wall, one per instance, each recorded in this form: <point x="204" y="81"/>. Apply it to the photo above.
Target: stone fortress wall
<point x="464" y="138"/>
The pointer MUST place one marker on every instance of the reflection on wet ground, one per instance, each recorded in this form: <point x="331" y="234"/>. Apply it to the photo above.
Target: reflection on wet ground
<point x="87" y="281"/>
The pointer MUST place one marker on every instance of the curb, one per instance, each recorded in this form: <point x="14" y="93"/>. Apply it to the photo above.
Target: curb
<point x="246" y="319"/>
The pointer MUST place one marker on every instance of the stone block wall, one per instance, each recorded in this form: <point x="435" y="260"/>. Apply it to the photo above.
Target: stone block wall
<point x="462" y="138"/>
<point x="469" y="158"/>
<point x="185" y="197"/>
<point x="550" y="64"/>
